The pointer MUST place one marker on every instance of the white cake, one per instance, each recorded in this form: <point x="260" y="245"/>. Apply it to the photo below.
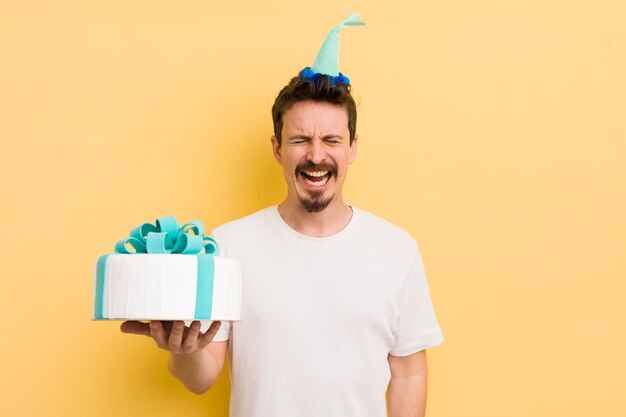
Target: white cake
<point x="167" y="287"/>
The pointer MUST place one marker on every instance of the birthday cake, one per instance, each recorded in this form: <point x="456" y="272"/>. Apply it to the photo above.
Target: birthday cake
<point x="167" y="272"/>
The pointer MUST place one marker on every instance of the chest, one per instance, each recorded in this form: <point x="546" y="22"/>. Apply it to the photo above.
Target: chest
<point x="298" y="291"/>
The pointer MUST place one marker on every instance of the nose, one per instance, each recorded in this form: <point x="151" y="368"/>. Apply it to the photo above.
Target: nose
<point x="316" y="153"/>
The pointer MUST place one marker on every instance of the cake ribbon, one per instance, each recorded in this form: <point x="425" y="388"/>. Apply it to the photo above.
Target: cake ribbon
<point x="167" y="237"/>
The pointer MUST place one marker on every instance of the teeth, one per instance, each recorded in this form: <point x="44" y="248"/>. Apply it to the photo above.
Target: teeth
<point x="316" y="173"/>
<point x="319" y="183"/>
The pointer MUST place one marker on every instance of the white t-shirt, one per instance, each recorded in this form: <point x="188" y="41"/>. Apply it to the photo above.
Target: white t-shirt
<point x="320" y="315"/>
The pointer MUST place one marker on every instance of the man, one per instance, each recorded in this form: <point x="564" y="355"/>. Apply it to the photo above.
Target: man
<point x="335" y="307"/>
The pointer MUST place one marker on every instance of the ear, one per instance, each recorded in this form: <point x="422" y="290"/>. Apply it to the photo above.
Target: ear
<point x="276" y="149"/>
<point x="353" y="149"/>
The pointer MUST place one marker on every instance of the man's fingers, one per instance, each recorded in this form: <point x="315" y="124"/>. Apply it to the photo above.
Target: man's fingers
<point x="192" y="336"/>
<point x="176" y="335"/>
<point x="135" y="327"/>
<point x="158" y="334"/>
<point x="173" y="335"/>
<point x="208" y="336"/>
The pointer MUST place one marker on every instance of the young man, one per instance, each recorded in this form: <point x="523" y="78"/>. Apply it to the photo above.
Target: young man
<point x="335" y="307"/>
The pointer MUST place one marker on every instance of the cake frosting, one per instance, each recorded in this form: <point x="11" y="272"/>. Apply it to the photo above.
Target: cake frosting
<point x="166" y="272"/>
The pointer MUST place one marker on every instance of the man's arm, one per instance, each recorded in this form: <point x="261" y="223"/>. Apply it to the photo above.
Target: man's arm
<point x="407" y="388"/>
<point x="196" y="361"/>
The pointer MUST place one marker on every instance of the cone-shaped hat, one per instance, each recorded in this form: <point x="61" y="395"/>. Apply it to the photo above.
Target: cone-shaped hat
<point x="327" y="60"/>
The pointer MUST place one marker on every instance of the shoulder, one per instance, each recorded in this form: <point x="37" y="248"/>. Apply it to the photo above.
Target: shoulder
<point x="246" y="224"/>
<point x="384" y="228"/>
<point x="244" y="234"/>
<point x="382" y="232"/>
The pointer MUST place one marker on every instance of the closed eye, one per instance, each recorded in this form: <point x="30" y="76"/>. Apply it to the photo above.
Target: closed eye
<point x="333" y="139"/>
<point x="299" y="139"/>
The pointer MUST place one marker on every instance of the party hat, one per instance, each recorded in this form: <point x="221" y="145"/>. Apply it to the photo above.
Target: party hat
<point x="327" y="60"/>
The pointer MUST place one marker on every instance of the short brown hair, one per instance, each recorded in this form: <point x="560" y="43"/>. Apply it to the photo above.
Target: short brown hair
<point x="317" y="88"/>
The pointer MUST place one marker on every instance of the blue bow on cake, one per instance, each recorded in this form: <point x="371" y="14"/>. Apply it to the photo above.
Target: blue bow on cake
<point x="167" y="237"/>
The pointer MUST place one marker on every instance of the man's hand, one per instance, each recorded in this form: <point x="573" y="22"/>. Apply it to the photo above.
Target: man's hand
<point x="195" y="361"/>
<point x="174" y="336"/>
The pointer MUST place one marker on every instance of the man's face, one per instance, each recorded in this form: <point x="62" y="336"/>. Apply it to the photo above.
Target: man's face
<point x="315" y="153"/>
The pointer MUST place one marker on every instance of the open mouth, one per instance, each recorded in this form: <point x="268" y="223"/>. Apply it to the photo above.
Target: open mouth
<point x="315" y="178"/>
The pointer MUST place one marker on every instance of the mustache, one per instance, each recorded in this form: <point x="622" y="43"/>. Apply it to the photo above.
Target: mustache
<point x="310" y="166"/>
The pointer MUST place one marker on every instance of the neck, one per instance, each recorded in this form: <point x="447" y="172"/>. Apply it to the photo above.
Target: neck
<point x="327" y="222"/>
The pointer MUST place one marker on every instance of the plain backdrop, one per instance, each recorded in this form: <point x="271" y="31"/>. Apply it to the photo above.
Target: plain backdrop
<point x="492" y="131"/>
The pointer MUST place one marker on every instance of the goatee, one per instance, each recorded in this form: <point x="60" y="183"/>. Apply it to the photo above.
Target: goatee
<point x="315" y="203"/>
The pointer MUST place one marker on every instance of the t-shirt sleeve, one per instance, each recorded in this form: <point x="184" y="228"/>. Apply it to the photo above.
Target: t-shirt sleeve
<point x="223" y="333"/>
<point x="417" y="327"/>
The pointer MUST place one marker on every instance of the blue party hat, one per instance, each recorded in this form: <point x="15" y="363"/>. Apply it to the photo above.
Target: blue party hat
<point x="327" y="60"/>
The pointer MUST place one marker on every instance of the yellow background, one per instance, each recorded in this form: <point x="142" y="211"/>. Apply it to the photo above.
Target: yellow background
<point x="493" y="131"/>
